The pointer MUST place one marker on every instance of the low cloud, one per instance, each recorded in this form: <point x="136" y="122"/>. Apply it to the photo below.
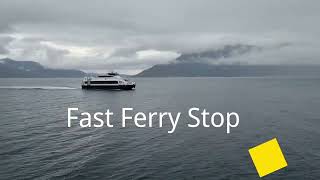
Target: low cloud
<point x="4" y="42"/>
<point x="224" y="52"/>
<point x="130" y="36"/>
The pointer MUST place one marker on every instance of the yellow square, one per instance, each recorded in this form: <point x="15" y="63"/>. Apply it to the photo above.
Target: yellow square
<point x="268" y="157"/>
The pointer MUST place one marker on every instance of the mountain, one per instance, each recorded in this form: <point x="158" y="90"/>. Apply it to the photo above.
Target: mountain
<point x="29" y="69"/>
<point x="197" y="64"/>
<point x="206" y="70"/>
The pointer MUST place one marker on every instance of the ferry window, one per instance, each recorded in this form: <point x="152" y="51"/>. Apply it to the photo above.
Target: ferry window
<point x="104" y="82"/>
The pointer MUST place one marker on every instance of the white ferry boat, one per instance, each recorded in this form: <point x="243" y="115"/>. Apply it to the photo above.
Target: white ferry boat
<point x="108" y="81"/>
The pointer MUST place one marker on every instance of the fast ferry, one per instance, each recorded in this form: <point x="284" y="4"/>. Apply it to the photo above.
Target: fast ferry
<point x="108" y="81"/>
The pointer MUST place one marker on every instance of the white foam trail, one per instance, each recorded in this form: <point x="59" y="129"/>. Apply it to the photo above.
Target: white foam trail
<point x="37" y="87"/>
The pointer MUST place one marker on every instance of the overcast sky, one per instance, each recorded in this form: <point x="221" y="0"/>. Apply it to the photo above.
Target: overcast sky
<point x="129" y="36"/>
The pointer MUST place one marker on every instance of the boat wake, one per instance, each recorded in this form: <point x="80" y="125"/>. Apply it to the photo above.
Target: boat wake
<point x="37" y="87"/>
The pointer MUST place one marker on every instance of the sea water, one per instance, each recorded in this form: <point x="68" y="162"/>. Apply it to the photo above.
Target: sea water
<point x="36" y="143"/>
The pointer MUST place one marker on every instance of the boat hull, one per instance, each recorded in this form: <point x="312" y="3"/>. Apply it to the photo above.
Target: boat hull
<point x="120" y="87"/>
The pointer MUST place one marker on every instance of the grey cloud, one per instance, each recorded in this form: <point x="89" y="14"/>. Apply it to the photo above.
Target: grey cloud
<point x="226" y="51"/>
<point x="33" y="49"/>
<point x="167" y="16"/>
<point x="4" y="41"/>
<point x="54" y="55"/>
<point x="114" y="31"/>
<point x="4" y="28"/>
<point x="295" y="54"/>
<point x="3" y="50"/>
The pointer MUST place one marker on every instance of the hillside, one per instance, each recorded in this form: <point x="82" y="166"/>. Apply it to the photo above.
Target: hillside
<point x="28" y="69"/>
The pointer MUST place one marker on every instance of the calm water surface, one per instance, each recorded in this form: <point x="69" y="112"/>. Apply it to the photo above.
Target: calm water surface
<point x="35" y="142"/>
